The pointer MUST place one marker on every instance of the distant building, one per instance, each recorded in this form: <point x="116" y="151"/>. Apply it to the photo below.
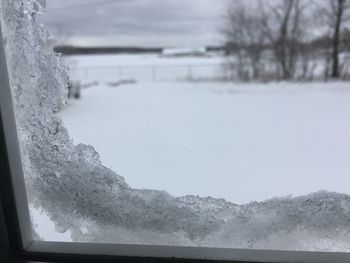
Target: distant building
<point x="184" y="52"/>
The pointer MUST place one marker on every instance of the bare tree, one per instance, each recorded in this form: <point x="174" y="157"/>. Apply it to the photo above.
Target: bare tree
<point x="283" y="25"/>
<point x="338" y="9"/>
<point x="281" y="39"/>
<point x="245" y="38"/>
<point x="336" y="13"/>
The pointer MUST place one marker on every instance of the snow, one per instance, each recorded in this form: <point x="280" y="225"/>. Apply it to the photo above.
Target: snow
<point x="46" y="227"/>
<point x="241" y="142"/>
<point x="303" y="127"/>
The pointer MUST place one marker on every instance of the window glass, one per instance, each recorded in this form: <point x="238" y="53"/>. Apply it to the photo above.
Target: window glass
<point x="190" y="123"/>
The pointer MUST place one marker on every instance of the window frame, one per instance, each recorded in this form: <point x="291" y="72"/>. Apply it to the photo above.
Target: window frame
<point x="18" y="244"/>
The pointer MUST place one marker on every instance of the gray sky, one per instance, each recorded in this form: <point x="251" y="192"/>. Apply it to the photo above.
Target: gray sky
<point x="136" y="22"/>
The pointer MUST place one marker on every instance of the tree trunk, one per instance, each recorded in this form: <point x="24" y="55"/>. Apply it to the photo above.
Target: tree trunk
<point x="283" y="40"/>
<point x="336" y="39"/>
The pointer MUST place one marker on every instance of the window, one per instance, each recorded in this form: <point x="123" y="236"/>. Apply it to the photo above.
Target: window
<point x="244" y="113"/>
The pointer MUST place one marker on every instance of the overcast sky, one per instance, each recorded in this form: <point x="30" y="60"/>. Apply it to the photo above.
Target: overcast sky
<point x="180" y="23"/>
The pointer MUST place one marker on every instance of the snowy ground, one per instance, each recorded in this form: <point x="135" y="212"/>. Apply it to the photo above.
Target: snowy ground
<point x="242" y="142"/>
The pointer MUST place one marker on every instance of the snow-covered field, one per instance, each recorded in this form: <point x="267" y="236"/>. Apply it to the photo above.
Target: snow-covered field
<point x="241" y="142"/>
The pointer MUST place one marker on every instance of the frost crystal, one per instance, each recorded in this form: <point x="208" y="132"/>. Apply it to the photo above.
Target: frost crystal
<point x="96" y="205"/>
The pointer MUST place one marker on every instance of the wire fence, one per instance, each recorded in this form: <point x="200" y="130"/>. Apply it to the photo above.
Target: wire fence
<point x="153" y="73"/>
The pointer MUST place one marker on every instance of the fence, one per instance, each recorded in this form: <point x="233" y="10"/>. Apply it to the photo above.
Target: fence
<point x="153" y="73"/>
